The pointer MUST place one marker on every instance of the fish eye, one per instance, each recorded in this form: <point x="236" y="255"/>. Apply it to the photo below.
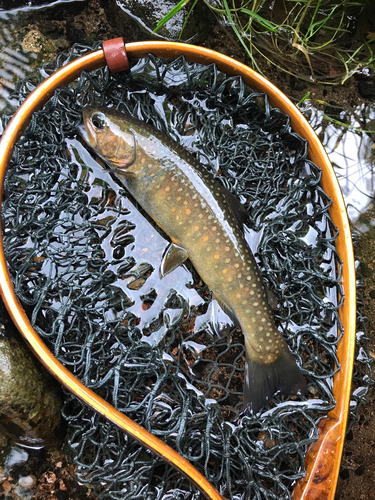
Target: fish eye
<point x="98" y="120"/>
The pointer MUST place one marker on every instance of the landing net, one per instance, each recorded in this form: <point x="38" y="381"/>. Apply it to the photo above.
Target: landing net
<point x="85" y="263"/>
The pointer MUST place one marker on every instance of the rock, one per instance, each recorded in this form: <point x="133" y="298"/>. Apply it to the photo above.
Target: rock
<point x="367" y="88"/>
<point x="136" y="19"/>
<point x="30" y="400"/>
<point x="336" y="112"/>
<point x="89" y="25"/>
<point x="27" y="482"/>
<point x="3" y="442"/>
<point x="297" y="84"/>
<point x="3" y="476"/>
<point x="13" y="4"/>
<point x="35" y="42"/>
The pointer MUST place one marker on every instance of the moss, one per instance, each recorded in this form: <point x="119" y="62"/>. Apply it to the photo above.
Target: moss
<point x="30" y="405"/>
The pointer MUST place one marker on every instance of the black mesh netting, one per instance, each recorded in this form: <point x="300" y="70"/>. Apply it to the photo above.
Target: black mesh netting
<point x="85" y="260"/>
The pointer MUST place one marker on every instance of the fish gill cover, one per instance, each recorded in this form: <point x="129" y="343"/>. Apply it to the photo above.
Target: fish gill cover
<point x="85" y="263"/>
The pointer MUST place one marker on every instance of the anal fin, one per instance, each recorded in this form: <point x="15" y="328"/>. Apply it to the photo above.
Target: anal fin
<point x="222" y="317"/>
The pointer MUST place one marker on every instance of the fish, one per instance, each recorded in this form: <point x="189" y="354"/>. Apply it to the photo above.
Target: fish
<point x="205" y="223"/>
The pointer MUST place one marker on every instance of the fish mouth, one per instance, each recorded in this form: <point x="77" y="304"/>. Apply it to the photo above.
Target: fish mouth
<point x="86" y="129"/>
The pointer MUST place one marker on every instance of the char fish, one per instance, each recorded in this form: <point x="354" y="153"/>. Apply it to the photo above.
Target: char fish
<point x="205" y="224"/>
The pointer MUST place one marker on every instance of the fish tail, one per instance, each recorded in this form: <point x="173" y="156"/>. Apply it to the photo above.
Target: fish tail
<point x="262" y="381"/>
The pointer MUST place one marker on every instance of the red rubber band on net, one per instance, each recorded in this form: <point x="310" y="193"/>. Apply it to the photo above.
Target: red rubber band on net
<point x="115" y="55"/>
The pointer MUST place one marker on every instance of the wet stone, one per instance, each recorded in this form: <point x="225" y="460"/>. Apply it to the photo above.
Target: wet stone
<point x="336" y="112"/>
<point x="34" y="41"/>
<point x="367" y="88"/>
<point x="140" y="17"/>
<point x="297" y="84"/>
<point x="30" y="402"/>
<point x="344" y="474"/>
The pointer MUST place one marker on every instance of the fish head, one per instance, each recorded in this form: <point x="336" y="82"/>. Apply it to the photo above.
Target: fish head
<point x="111" y="136"/>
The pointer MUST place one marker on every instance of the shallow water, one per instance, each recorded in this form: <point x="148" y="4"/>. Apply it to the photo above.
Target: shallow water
<point x="351" y="150"/>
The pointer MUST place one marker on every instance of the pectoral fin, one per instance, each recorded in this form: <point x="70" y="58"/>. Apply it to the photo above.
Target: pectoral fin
<point x="173" y="257"/>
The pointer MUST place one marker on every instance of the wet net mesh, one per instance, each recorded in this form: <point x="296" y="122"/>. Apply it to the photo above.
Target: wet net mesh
<point x="85" y="261"/>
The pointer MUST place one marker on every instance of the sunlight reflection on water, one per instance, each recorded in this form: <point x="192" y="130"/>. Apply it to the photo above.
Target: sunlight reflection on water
<point x="351" y="153"/>
<point x="15" y="62"/>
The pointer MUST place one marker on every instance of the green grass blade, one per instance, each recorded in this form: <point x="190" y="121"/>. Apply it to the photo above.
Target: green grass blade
<point x="181" y="4"/>
<point x="187" y="17"/>
<point x="304" y="98"/>
<point x="312" y="21"/>
<point x="264" y="22"/>
<point x="318" y="25"/>
<point x="349" y="127"/>
<point x="238" y="34"/>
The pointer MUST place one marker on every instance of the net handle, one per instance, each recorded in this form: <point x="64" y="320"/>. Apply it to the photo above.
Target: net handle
<point x="324" y="456"/>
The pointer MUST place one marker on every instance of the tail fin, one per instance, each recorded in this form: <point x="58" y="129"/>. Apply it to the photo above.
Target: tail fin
<point x="262" y="381"/>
